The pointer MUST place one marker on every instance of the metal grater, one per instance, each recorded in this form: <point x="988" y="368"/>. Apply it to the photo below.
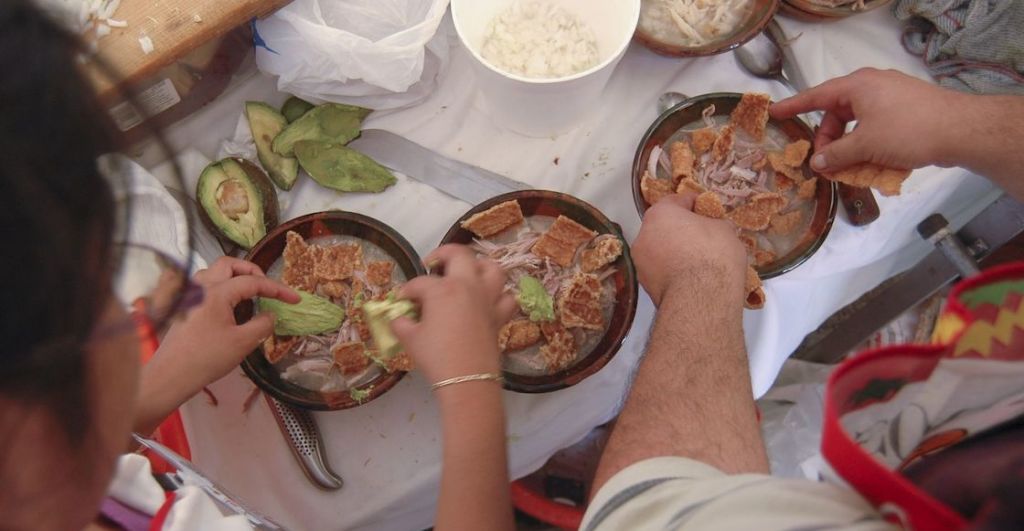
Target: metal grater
<point x="300" y="431"/>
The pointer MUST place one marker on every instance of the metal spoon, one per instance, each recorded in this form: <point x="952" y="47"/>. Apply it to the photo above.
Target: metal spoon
<point x="763" y="57"/>
<point x="670" y="99"/>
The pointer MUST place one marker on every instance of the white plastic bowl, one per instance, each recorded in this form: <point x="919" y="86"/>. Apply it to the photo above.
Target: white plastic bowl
<point x="549" y="106"/>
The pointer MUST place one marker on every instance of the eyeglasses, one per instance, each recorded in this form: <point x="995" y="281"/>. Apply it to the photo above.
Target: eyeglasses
<point x="155" y="287"/>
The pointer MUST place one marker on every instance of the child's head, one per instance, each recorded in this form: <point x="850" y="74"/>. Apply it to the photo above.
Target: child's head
<point x="66" y="396"/>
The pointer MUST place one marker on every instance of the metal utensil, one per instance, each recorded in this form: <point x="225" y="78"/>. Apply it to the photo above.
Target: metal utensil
<point x="764" y="57"/>
<point x="188" y="474"/>
<point x="303" y="437"/>
<point x="460" y="180"/>
<point x="848" y="327"/>
<point x="670" y="99"/>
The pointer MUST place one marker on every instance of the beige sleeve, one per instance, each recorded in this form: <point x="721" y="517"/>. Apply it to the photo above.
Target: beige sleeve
<point x="681" y="494"/>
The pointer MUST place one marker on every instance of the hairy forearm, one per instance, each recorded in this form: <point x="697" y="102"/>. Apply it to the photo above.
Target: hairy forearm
<point x="692" y="394"/>
<point x="988" y="139"/>
<point x="474" y="478"/>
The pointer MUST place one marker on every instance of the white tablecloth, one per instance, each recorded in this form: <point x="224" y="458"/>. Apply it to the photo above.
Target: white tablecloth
<point x="388" y="450"/>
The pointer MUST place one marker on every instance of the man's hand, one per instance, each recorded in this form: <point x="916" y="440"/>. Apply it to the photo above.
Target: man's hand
<point x="902" y="122"/>
<point x="675" y="247"/>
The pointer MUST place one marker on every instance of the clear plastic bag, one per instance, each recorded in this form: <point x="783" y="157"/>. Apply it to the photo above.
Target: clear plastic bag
<point x="380" y="54"/>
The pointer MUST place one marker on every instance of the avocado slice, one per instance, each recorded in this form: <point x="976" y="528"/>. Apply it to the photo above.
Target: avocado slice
<point x="266" y="123"/>
<point x="335" y="123"/>
<point x="342" y="168"/>
<point x="378" y="316"/>
<point x="237" y="201"/>
<point x="294" y="107"/>
<point x="310" y="316"/>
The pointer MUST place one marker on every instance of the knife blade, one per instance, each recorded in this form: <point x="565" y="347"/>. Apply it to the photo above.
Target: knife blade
<point x="845" y="329"/>
<point x="460" y="180"/>
<point x="194" y="477"/>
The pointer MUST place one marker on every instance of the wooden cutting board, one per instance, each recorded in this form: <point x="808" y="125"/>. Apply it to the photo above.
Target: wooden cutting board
<point x="176" y="27"/>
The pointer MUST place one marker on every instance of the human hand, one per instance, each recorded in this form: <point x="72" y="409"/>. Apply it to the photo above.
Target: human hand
<point x="207" y="343"/>
<point x="677" y="249"/>
<point x="460" y="314"/>
<point x="902" y="122"/>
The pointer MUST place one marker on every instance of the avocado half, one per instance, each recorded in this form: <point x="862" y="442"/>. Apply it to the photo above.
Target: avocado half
<point x="238" y="201"/>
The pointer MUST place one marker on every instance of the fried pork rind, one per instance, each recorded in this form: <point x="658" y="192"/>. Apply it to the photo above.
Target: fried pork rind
<point x="606" y="251"/>
<point x="866" y="174"/>
<point x="355" y="316"/>
<point x="783" y="183"/>
<point x="517" y="335"/>
<point x="560" y="349"/>
<point x="755" y="292"/>
<point x="682" y="159"/>
<point x="561" y="240"/>
<point x="757" y="212"/>
<point x="807" y="190"/>
<point x="350" y="357"/>
<point x="494" y="219"/>
<point x="579" y="303"/>
<point x="723" y="144"/>
<point x="751" y="114"/>
<point x="276" y="347"/>
<point x="763" y="257"/>
<point x="778" y="163"/>
<point x="690" y="185"/>
<point x="703" y="139"/>
<point x="299" y="260"/>
<point x="749" y="241"/>
<point x="400" y="362"/>
<point x="653" y="189"/>
<point x="336" y="262"/>
<point x="379" y="273"/>
<point x="795" y="153"/>
<point x="785" y="223"/>
<point x="709" y="205"/>
<point x="334" y="289"/>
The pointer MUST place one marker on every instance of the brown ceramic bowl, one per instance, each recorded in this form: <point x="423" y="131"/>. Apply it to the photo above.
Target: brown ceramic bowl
<point x="548" y="203"/>
<point x="270" y="248"/>
<point x="761" y="12"/>
<point x="688" y="112"/>
<point x="811" y="12"/>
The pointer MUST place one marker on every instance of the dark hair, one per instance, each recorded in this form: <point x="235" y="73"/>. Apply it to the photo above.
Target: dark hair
<point x="57" y="213"/>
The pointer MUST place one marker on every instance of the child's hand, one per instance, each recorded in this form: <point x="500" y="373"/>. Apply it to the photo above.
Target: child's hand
<point x="460" y="314"/>
<point x="207" y="344"/>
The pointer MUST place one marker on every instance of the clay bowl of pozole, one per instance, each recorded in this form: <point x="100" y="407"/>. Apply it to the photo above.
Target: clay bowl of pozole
<point x="327" y="359"/>
<point x="692" y="31"/>
<point x="570" y="269"/>
<point x="742" y="170"/>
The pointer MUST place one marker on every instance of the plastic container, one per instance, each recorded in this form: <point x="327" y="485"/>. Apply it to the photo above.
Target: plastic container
<point x="547" y="107"/>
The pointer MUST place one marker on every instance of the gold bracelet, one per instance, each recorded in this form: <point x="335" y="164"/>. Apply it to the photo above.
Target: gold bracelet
<point x="495" y="376"/>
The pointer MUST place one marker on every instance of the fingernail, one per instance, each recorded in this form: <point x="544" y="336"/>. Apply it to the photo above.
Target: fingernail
<point x="818" y="161"/>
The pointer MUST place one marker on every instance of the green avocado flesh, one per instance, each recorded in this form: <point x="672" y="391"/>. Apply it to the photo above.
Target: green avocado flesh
<point x="233" y="202"/>
<point x="378" y="315"/>
<point x="331" y="122"/>
<point x="294" y="108"/>
<point x="266" y="123"/>
<point x="342" y="168"/>
<point x="535" y="300"/>
<point x="311" y="315"/>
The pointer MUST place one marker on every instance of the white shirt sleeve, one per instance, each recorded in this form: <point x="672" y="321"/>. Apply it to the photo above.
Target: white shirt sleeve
<point x="133" y="485"/>
<point x="675" y="493"/>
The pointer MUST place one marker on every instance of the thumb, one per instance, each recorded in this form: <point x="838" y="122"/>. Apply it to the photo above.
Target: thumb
<point x="404" y="328"/>
<point x="253" y="332"/>
<point x="846" y="151"/>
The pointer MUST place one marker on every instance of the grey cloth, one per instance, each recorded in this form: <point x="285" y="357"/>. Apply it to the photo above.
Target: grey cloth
<point x="969" y="45"/>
